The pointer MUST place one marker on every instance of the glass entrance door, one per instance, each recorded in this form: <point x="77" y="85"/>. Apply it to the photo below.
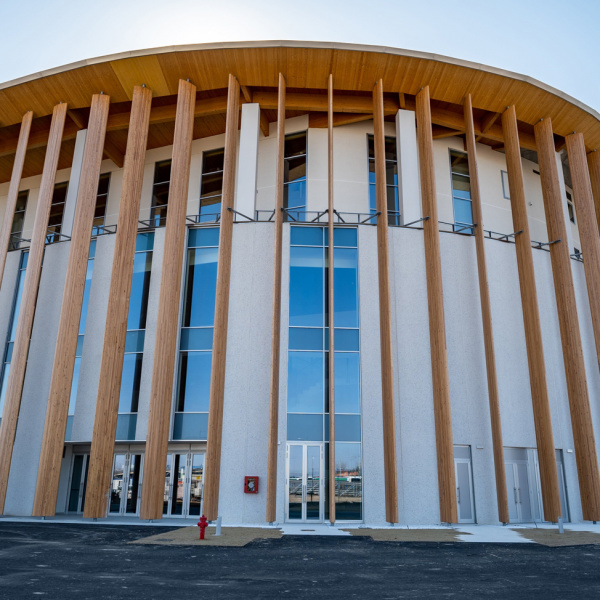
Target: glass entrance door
<point x="79" y="472"/>
<point x="184" y="485"/>
<point x="304" y="483"/>
<point x="126" y="486"/>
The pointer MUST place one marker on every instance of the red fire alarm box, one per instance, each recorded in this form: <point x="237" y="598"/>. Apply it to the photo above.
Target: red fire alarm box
<point x="251" y="484"/>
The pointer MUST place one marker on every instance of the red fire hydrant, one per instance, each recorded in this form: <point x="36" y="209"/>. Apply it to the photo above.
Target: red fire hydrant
<point x="203" y="524"/>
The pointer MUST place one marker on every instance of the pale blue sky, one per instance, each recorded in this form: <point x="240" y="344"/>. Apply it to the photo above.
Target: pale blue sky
<point x="557" y="42"/>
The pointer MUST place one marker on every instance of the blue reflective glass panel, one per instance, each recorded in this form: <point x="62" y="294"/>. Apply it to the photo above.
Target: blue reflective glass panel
<point x="197" y="339"/>
<point x="140" y="286"/>
<point x="69" y="429"/>
<point x="92" y="252"/>
<point x="190" y="426"/>
<point x="130" y="383"/>
<point x="15" y="314"/>
<point x="9" y="351"/>
<point x="79" y="349"/>
<point x="294" y="194"/>
<point x="346" y="287"/>
<point x="306" y="236"/>
<point x="347" y="340"/>
<point x="305" y="427"/>
<point x="126" y="427"/>
<point x="462" y="211"/>
<point x="372" y="200"/>
<point x="347" y="428"/>
<point x="347" y="382"/>
<point x="86" y="296"/>
<point x="306" y="339"/>
<point x="306" y="287"/>
<point x="205" y="236"/>
<point x="201" y="285"/>
<point x="4" y="384"/>
<point x="144" y="242"/>
<point x="194" y="381"/>
<point x="134" y="341"/>
<point x="74" y="384"/>
<point x="305" y="381"/>
<point x="348" y="482"/>
<point x="345" y="236"/>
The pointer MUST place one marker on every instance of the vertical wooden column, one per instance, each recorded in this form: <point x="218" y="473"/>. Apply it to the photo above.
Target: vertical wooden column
<point x="385" y="315"/>
<point x="593" y="160"/>
<point x="437" y="326"/>
<point x="13" y="189"/>
<point x="276" y="329"/>
<point x="486" y="317"/>
<point x="531" y="319"/>
<point x="12" y="403"/>
<point x="115" y="331"/>
<point x="331" y="287"/>
<point x="579" y="402"/>
<point x="165" y="347"/>
<point x="589" y="236"/>
<point x="68" y="326"/>
<point x="219" y="353"/>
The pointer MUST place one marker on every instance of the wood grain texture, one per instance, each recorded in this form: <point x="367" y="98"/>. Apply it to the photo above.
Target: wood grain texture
<point x="331" y="300"/>
<point x="437" y="327"/>
<point x="593" y="160"/>
<point x="579" y="401"/>
<point x="486" y="318"/>
<point x="531" y="319"/>
<point x="115" y="331"/>
<point x="70" y="312"/>
<point x="587" y="224"/>
<point x="13" y="189"/>
<point x="385" y="314"/>
<point x="219" y="352"/>
<point x="163" y="368"/>
<point x="276" y="327"/>
<point x="14" y="389"/>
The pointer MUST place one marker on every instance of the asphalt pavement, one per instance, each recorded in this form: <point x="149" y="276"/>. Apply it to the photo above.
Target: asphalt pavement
<point x="64" y="561"/>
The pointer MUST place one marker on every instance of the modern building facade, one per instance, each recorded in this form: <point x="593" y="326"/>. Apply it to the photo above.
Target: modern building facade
<point x="367" y="279"/>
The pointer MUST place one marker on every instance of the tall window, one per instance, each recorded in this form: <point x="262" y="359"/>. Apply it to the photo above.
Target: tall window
<point x="101" y="200"/>
<point x="80" y="337"/>
<point x="211" y="185"/>
<point x="461" y="190"/>
<point x="160" y="192"/>
<point x="136" y="333"/>
<point x="12" y="329"/>
<point x="294" y="176"/>
<point x="195" y="345"/>
<point x="57" y="211"/>
<point x="307" y="387"/>
<point x="391" y="178"/>
<point x="571" y="208"/>
<point x="18" y="219"/>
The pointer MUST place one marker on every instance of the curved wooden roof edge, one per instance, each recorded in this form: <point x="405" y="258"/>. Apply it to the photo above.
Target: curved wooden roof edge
<point x="305" y="64"/>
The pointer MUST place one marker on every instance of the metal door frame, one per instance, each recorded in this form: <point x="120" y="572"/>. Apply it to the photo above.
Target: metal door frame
<point x="304" y="446"/>
<point x="125" y="485"/>
<point x="187" y="484"/>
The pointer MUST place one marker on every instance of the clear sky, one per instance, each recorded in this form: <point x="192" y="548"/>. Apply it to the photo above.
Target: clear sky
<point x="554" y="41"/>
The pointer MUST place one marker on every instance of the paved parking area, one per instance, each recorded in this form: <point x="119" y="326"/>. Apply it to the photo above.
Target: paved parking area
<point x="64" y="561"/>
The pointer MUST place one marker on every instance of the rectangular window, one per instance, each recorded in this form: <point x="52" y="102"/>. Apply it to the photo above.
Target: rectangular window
<point x="211" y="185"/>
<point x="391" y="178"/>
<point x="461" y="191"/>
<point x="505" y="188"/>
<point x="294" y="176"/>
<point x="134" y="342"/>
<point x="571" y="208"/>
<point x="57" y="211"/>
<point x="195" y="347"/>
<point x="12" y="329"/>
<point x="160" y="193"/>
<point x="18" y="220"/>
<point x="101" y="201"/>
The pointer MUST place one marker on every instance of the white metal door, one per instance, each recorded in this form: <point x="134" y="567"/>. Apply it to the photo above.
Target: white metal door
<point x="304" y="484"/>
<point x="464" y="490"/>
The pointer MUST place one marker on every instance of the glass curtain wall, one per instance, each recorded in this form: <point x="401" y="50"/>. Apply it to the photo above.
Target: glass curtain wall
<point x="308" y="401"/>
<point x="211" y="185"/>
<point x="136" y="333"/>
<point x="195" y="346"/>
<point x="461" y="191"/>
<point x="82" y="321"/>
<point x="160" y="193"/>
<point x="294" y="176"/>
<point x="391" y="179"/>
<point x="12" y="328"/>
<point x="18" y="220"/>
